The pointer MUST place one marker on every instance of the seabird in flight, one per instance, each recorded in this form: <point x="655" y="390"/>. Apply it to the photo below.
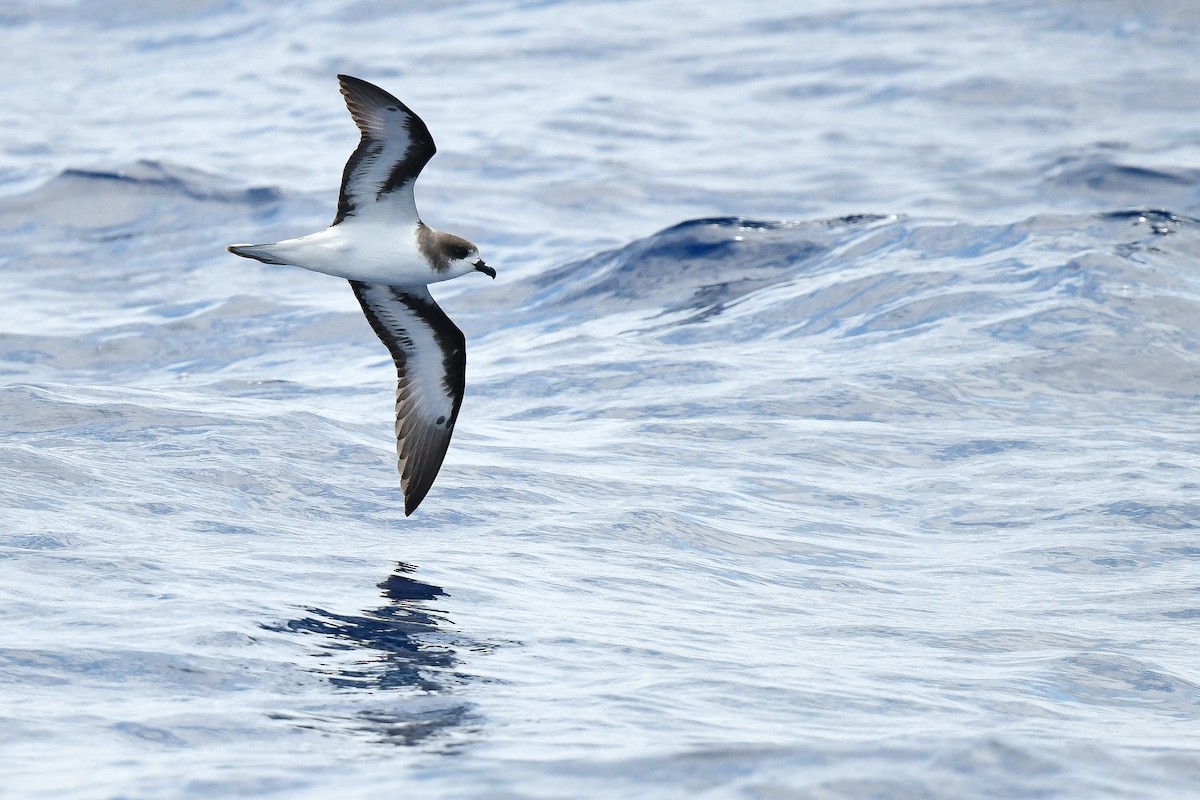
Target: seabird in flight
<point x="378" y="242"/>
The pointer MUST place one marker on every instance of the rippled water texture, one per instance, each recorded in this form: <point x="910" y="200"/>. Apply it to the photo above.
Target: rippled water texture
<point x="830" y="430"/>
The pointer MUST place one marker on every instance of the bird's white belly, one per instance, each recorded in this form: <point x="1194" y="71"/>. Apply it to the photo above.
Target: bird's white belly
<point x="368" y="253"/>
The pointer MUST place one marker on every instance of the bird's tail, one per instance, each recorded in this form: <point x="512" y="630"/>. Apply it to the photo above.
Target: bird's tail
<point x="259" y="252"/>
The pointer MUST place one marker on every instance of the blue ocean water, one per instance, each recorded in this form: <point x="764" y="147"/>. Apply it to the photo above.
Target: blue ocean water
<point x="830" y="430"/>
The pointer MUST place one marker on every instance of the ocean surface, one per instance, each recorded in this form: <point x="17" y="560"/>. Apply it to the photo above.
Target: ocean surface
<point x="831" y="430"/>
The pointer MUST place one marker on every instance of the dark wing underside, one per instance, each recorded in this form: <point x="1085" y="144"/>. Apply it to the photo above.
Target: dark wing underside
<point x="394" y="148"/>
<point x="430" y="353"/>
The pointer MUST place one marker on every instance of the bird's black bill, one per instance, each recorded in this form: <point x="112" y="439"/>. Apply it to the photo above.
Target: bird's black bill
<point x="485" y="269"/>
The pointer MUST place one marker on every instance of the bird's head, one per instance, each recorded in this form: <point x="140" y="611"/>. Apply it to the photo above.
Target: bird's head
<point x="463" y="257"/>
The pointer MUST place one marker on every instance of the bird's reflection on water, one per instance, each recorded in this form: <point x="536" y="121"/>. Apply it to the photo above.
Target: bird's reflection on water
<point x="402" y="649"/>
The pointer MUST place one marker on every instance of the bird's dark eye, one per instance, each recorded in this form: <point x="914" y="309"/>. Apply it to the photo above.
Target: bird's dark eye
<point x="458" y="252"/>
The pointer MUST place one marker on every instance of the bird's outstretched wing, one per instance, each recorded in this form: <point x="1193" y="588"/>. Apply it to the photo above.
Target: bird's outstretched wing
<point x="395" y="147"/>
<point x="431" y="358"/>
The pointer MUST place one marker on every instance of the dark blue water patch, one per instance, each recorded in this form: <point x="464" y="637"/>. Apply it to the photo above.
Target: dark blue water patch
<point x="21" y="355"/>
<point x="1122" y="177"/>
<point x="695" y="271"/>
<point x="1168" y="517"/>
<point x="146" y="734"/>
<point x="1104" y="679"/>
<point x="1150" y="227"/>
<point x="1157" y="221"/>
<point x="165" y="179"/>
<point x="1186" y="614"/>
<point x="393" y="633"/>
<point x="1080" y="175"/>
<point x="222" y="528"/>
<point x="133" y="200"/>
<point x="397" y="654"/>
<point x="416" y="726"/>
<point x="698" y="265"/>
<point x="982" y="447"/>
<point x="38" y="541"/>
